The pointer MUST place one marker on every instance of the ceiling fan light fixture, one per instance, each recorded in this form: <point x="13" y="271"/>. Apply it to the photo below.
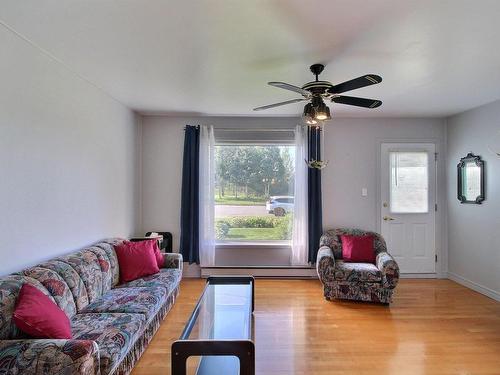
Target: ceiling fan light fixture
<point x="322" y="112"/>
<point x="309" y="115"/>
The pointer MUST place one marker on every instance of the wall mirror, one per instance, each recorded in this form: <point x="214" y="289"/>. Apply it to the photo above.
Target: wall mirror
<point x="471" y="179"/>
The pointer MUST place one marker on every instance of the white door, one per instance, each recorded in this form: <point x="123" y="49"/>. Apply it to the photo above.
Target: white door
<point x="408" y="204"/>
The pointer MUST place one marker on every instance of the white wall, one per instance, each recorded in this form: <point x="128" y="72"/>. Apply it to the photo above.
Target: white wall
<point x="161" y="168"/>
<point x="474" y="230"/>
<point x="67" y="159"/>
<point x="352" y="146"/>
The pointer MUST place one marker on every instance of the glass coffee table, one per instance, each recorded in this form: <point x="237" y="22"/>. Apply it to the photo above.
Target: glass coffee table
<point x="220" y="329"/>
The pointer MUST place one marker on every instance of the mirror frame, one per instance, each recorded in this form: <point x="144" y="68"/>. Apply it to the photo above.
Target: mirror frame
<point x="460" y="170"/>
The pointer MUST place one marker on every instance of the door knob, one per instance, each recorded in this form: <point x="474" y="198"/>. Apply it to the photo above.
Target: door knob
<point x="388" y="218"/>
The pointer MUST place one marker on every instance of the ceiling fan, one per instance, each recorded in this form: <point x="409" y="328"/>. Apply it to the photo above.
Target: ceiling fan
<point x="318" y="91"/>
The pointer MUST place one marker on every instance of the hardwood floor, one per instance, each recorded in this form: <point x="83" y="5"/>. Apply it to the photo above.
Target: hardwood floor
<point x="433" y="327"/>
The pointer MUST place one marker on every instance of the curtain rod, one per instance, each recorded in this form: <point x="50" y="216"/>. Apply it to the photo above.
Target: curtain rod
<point x="254" y="129"/>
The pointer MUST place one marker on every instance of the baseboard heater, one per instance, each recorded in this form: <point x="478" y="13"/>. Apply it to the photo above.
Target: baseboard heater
<point x="261" y="271"/>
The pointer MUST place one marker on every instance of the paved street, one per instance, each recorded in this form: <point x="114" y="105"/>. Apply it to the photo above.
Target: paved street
<point x="221" y="211"/>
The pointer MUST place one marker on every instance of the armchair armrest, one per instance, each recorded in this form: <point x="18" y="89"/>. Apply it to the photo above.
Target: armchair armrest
<point x="172" y="260"/>
<point x="325" y="264"/>
<point x="37" y="356"/>
<point x="330" y="238"/>
<point x="389" y="268"/>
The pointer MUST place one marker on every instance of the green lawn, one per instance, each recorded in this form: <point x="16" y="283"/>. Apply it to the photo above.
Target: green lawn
<point x="253" y="234"/>
<point x="229" y="200"/>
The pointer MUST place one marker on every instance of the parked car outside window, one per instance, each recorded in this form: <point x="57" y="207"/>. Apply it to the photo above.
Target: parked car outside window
<point x="280" y="205"/>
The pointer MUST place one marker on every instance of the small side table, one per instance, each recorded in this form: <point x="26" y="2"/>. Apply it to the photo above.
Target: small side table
<point x="158" y="239"/>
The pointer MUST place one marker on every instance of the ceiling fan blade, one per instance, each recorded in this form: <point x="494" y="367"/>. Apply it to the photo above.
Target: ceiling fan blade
<point x="279" y="104"/>
<point x="286" y="86"/>
<point x="356" y="83"/>
<point x="358" y="102"/>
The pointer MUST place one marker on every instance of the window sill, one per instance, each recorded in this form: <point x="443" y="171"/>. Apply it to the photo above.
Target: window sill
<point x="253" y="245"/>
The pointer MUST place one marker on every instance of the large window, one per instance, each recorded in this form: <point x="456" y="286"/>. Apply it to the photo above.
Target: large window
<point x="254" y="198"/>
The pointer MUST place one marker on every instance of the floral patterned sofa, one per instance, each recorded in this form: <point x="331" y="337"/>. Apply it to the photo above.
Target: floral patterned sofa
<point x="112" y="323"/>
<point x="356" y="281"/>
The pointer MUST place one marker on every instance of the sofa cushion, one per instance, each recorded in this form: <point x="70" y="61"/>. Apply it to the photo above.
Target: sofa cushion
<point x="365" y="272"/>
<point x="115" y="334"/>
<point x="108" y="247"/>
<point x="160" y="260"/>
<point x="86" y="264"/>
<point x="146" y="301"/>
<point x="357" y="249"/>
<point x="136" y="259"/>
<point x="46" y="356"/>
<point x="57" y="287"/>
<point x="40" y="317"/>
<point x="72" y="279"/>
<point x="105" y="264"/>
<point x="167" y="278"/>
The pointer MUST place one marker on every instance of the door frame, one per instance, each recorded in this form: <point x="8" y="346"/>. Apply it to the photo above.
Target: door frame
<point x="440" y="240"/>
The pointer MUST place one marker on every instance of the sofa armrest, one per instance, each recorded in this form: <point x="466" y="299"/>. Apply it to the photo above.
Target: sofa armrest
<point x="329" y="238"/>
<point x="173" y="260"/>
<point x="44" y="356"/>
<point x="325" y="265"/>
<point x="389" y="268"/>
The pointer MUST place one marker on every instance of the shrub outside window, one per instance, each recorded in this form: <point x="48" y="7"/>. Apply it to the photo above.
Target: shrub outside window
<point x="254" y="200"/>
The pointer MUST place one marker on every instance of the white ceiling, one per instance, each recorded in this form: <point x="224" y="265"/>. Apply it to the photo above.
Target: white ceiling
<point x="215" y="56"/>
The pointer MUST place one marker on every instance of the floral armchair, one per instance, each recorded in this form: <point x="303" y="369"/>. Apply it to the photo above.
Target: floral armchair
<point x="356" y="281"/>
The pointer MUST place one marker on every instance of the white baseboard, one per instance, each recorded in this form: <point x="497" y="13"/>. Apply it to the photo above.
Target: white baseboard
<point x="269" y="272"/>
<point x="191" y="270"/>
<point x="474" y="286"/>
<point x="418" y="276"/>
<point x="194" y="270"/>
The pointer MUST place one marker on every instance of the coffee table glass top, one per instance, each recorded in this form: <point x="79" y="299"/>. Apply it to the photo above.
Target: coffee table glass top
<point x="224" y="313"/>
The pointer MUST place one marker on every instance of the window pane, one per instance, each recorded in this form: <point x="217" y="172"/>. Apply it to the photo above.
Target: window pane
<point x="409" y="182"/>
<point x="254" y="192"/>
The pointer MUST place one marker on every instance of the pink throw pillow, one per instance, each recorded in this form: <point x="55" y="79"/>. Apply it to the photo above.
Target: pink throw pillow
<point x="358" y="249"/>
<point x="160" y="260"/>
<point x="39" y="317"/>
<point x="136" y="259"/>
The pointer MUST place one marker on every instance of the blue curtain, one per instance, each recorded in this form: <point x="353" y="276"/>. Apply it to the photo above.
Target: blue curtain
<point x="189" y="245"/>
<point x="314" y="204"/>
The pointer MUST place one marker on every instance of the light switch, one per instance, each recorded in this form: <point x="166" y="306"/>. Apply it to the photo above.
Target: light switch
<point x="364" y="192"/>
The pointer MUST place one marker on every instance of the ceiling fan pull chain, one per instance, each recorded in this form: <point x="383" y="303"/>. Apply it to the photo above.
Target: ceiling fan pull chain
<point x="317" y="134"/>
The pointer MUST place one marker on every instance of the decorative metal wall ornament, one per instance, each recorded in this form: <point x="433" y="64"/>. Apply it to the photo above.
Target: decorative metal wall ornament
<point x="494" y="144"/>
<point x="470" y="179"/>
<point x="314" y="160"/>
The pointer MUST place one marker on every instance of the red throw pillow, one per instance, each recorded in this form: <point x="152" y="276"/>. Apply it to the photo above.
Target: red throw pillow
<point x="39" y="317"/>
<point x="358" y="249"/>
<point x="136" y="259"/>
<point x="158" y="255"/>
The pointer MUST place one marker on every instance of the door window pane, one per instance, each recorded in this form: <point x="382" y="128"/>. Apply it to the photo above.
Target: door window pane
<point x="254" y="192"/>
<point x="409" y="182"/>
